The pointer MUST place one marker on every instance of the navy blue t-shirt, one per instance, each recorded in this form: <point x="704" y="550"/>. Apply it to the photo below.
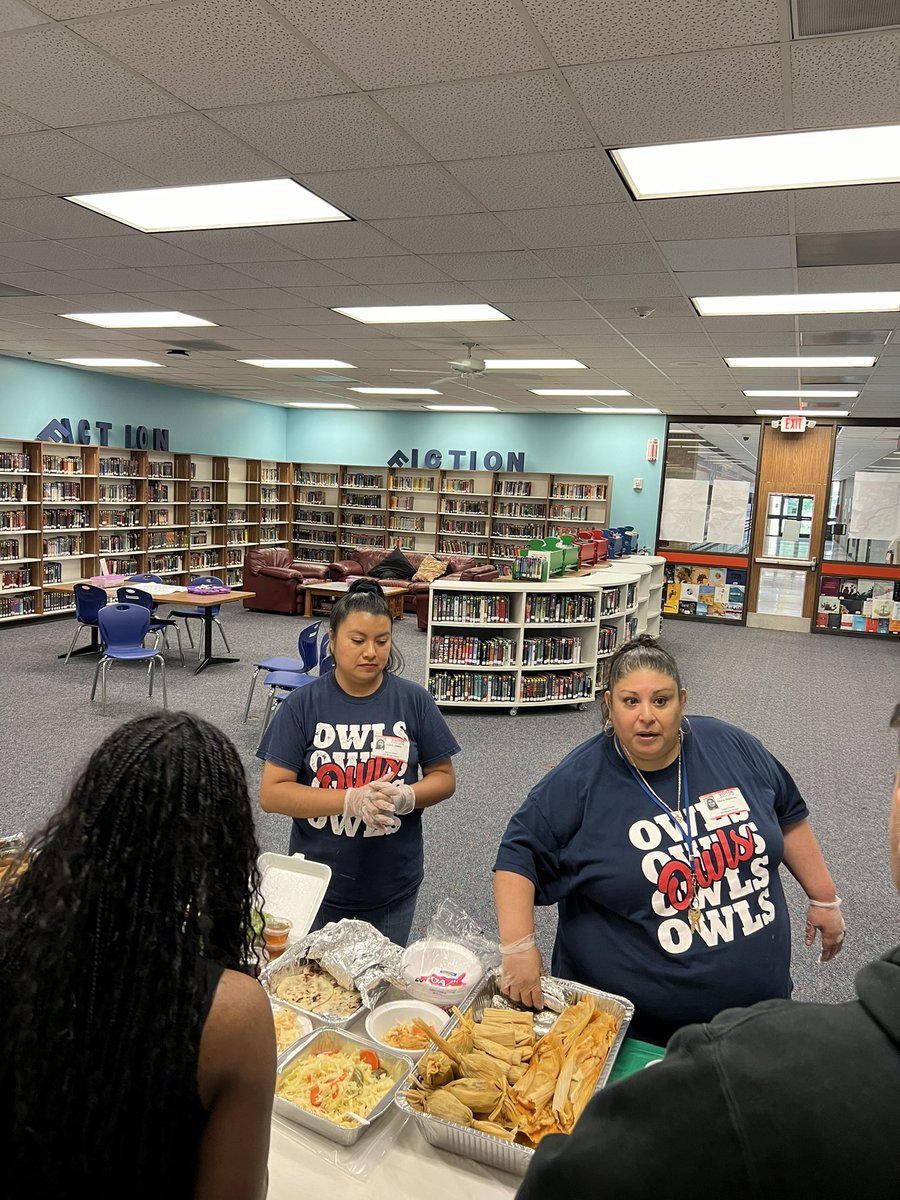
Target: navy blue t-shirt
<point x="594" y="843"/>
<point x="330" y="739"/>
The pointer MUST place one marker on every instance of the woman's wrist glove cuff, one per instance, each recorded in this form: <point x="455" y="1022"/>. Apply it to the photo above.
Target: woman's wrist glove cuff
<point x="519" y="947"/>
<point x="835" y="903"/>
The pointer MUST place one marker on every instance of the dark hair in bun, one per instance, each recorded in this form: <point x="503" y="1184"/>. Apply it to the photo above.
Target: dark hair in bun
<point x="365" y="596"/>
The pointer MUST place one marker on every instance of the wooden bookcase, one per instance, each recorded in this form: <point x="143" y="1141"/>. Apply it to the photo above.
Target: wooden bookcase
<point x="363" y="508"/>
<point x="315" y="509"/>
<point x="512" y="645"/>
<point x="413" y="509"/>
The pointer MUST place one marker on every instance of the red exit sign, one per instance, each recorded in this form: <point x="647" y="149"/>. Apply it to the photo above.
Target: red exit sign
<point x="795" y="423"/>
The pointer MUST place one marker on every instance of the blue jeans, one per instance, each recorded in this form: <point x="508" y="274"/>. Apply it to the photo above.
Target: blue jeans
<point x="393" y="920"/>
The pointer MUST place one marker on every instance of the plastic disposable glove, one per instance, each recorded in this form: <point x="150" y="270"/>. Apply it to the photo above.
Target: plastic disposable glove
<point x="375" y="810"/>
<point x="830" y="924"/>
<point x="401" y="794"/>
<point x="520" y="977"/>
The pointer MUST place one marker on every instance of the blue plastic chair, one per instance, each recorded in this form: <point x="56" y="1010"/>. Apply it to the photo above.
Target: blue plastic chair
<point x="308" y="647"/>
<point x="146" y="577"/>
<point x="89" y="600"/>
<point x="124" y="627"/>
<point x="158" y="625"/>
<point x="198" y="614"/>
<point x="282" y="683"/>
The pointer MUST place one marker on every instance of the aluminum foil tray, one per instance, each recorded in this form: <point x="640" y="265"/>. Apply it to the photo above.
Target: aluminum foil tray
<point x="397" y="1066"/>
<point x="286" y="965"/>
<point x="484" y="1147"/>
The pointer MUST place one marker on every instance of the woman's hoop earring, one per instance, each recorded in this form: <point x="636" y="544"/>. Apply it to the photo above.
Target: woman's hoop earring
<point x="608" y="727"/>
<point x="685" y="725"/>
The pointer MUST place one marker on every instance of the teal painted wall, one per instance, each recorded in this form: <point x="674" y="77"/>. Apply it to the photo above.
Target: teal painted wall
<point x="31" y="394"/>
<point x="575" y="443"/>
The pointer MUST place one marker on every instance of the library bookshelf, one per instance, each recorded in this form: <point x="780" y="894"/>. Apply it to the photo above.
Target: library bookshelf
<point x="512" y="645"/>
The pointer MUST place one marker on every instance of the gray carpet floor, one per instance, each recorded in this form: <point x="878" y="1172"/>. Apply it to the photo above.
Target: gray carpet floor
<point x="821" y="704"/>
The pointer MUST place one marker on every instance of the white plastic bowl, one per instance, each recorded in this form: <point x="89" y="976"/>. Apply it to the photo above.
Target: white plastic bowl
<point x="384" y="1018"/>
<point x="440" y="972"/>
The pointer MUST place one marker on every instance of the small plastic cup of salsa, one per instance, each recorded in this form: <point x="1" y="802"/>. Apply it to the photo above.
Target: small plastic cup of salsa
<point x="275" y="933"/>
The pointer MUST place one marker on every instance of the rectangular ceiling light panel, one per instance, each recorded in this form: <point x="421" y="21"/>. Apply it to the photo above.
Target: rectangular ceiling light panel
<point x="213" y="206"/>
<point x="794" y="360"/>
<point x="637" y="412"/>
<point x="793" y="304"/>
<point x="461" y="408"/>
<point x="398" y="391"/>
<point x="421" y="314"/>
<point x="108" y="362"/>
<point x="533" y="364"/>
<point x="800" y="394"/>
<point x="137" y="320"/>
<point x="804" y="412"/>
<point x="773" y="162"/>
<point x="296" y="364"/>
<point x="315" y="404"/>
<point x="578" y="392"/>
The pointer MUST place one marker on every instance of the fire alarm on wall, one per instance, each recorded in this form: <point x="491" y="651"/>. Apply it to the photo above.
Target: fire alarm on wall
<point x="652" y="449"/>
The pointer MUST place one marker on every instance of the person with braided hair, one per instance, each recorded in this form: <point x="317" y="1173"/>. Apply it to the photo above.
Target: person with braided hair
<point x="138" y="1052"/>
<point x="354" y="758"/>
<point x="660" y="840"/>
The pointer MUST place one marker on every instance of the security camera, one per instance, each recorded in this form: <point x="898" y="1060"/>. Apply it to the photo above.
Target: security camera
<point x="643" y="312"/>
<point x="746" y="437"/>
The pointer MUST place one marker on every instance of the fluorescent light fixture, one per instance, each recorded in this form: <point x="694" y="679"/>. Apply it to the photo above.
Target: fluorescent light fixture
<point x="137" y="320"/>
<point x="462" y="408"/>
<point x="108" y="362"/>
<point x="395" y="391"/>
<point x="419" y="314"/>
<point x="795" y="360"/>
<point x="537" y="364"/>
<point x="296" y="364"/>
<point x="794" y="304"/>
<point x="578" y="392"/>
<point x="213" y="206"/>
<point x="802" y="412"/>
<point x="800" y="394"/>
<point x="621" y="411"/>
<point x="315" y="404"/>
<point x="822" y="158"/>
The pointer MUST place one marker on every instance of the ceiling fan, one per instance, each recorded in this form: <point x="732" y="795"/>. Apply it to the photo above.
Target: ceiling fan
<point x="464" y="370"/>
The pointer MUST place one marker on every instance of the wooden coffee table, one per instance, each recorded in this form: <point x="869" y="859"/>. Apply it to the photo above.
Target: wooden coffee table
<point x="320" y="591"/>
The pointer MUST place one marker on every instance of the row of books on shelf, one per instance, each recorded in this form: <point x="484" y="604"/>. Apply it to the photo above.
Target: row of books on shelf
<point x="546" y="651"/>
<point x="459" y="650"/>
<point x="474" y="687"/>
<point x="474" y="607"/>
<point x="560" y="607"/>
<point x="859" y="605"/>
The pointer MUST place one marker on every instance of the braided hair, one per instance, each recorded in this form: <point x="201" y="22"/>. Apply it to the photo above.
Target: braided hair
<point x="365" y="596"/>
<point x="145" y="876"/>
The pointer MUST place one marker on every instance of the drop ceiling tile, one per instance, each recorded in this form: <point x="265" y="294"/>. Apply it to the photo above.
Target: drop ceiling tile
<point x="50" y="283"/>
<point x="841" y="210"/>
<point x="48" y="216"/>
<point x="720" y="326"/>
<point x="214" y="52"/>
<point x="199" y="304"/>
<point x="630" y="258"/>
<point x="444" y="235"/>
<point x="330" y="134"/>
<point x="663" y="308"/>
<point x="15" y="15"/>
<point x="687" y="218"/>
<point x="422" y="190"/>
<point x="120" y="279"/>
<point x="583" y="31"/>
<point x="133" y="250"/>
<point x="14" y="122"/>
<point x="551" y="310"/>
<point x="513" y="265"/>
<point x="728" y="254"/>
<point x="56" y="163"/>
<point x="516" y="114"/>
<point x="343" y="239"/>
<point x="633" y="326"/>
<point x="581" y="225"/>
<point x="428" y="293"/>
<point x="682" y="96"/>
<point x="206" y="277"/>
<point x="229" y="245"/>
<point x="591" y="329"/>
<point x="391" y="268"/>
<point x="538" y="180"/>
<point x="871" y="277"/>
<point x="342" y="295"/>
<point x="438" y="42"/>
<point x="11" y="189"/>
<point x="845" y="80"/>
<point x="773" y="281"/>
<point x="52" y="75"/>
<point x="299" y="272"/>
<point x="285" y="307"/>
<point x="645" y="288"/>
<point x="500" y="290"/>
<point x="183" y="148"/>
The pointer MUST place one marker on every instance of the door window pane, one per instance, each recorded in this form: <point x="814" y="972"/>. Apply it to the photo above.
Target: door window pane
<point x="788" y="535"/>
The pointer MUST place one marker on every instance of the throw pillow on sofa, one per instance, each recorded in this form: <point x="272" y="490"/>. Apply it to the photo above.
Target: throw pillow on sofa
<point x="394" y="566"/>
<point x="430" y="568"/>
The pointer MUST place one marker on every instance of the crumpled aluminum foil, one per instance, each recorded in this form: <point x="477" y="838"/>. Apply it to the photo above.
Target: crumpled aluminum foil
<point x="356" y="955"/>
<point x="555" y="1000"/>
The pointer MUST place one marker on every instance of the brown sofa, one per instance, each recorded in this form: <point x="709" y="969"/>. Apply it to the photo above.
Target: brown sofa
<point x="365" y="559"/>
<point x="277" y="579"/>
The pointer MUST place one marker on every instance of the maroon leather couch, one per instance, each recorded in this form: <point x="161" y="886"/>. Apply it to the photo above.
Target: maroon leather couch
<point x="365" y="559"/>
<point x="277" y="579"/>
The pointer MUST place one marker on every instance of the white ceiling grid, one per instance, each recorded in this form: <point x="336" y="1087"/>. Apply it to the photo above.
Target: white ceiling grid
<point x="469" y="143"/>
